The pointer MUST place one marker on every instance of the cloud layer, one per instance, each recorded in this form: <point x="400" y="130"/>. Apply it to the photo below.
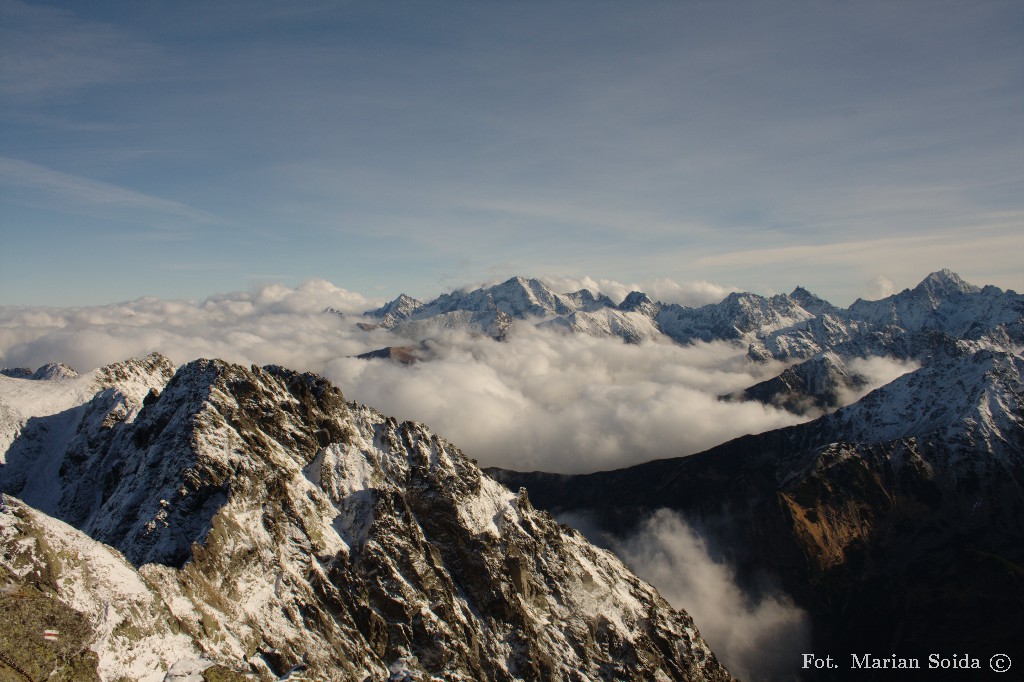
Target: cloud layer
<point x="568" y="403"/>
<point x="877" y="372"/>
<point x="541" y="400"/>
<point x="757" y="639"/>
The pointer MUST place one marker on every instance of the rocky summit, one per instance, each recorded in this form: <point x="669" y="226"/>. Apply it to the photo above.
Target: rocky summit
<point x="220" y="522"/>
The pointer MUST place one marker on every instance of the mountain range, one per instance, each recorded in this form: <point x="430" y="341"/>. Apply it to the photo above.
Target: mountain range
<point x="817" y="339"/>
<point x="211" y="521"/>
<point x="794" y="326"/>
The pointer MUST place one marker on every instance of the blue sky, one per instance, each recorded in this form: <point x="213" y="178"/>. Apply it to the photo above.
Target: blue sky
<point x="183" y="149"/>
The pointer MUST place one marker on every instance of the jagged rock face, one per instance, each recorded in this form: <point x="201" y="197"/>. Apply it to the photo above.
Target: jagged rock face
<point x="632" y="326"/>
<point x="491" y="310"/>
<point x="897" y="521"/>
<point x="494" y="323"/>
<point x="740" y="317"/>
<point x="911" y="305"/>
<point x="637" y="301"/>
<point x="941" y="317"/>
<point x="816" y="384"/>
<point x="402" y="308"/>
<point x="794" y="327"/>
<point x="518" y="298"/>
<point x="971" y="402"/>
<point x="109" y="623"/>
<point x="265" y="524"/>
<point x="585" y="300"/>
<point x="812" y="303"/>
<point x="78" y="418"/>
<point x="941" y="303"/>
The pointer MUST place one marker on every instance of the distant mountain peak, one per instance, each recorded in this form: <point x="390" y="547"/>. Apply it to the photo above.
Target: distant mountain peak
<point x="585" y="300"/>
<point x="520" y="280"/>
<point x="516" y="283"/>
<point x="52" y="371"/>
<point x="535" y="290"/>
<point x="401" y="308"/>
<point x="811" y="302"/>
<point x="946" y="281"/>
<point x="55" y="371"/>
<point x="638" y="301"/>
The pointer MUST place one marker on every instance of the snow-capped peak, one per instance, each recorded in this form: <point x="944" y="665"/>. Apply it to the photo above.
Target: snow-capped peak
<point x="947" y="281"/>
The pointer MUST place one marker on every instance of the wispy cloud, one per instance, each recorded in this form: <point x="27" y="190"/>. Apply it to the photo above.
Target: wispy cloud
<point x="856" y="250"/>
<point x="757" y="639"/>
<point x="609" y="216"/>
<point x="988" y="253"/>
<point x="633" y="142"/>
<point x="74" y="191"/>
<point x="47" y="52"/>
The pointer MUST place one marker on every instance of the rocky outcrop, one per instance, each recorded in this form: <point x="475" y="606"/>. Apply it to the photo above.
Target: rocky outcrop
<point x="250" y="521"/>
<point x="820" y="383"/>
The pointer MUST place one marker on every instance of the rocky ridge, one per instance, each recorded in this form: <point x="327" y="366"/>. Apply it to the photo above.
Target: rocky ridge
<point x="821" y="383"/>
<point x="227" y="522"/>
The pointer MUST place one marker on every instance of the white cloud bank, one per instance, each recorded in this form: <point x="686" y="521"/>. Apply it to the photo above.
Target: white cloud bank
<point x="877" y="371"/>
<point x="757" y="639"/>
<point x="569" y="403"/>
<point x="542" y="400"/>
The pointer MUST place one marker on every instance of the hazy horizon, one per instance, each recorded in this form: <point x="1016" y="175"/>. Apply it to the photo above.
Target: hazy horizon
<point x="690" y="293"/>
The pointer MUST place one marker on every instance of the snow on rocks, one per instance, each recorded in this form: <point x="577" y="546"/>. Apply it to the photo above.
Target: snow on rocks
<point x="132" y="633"/>
<point x="270" y="528"/>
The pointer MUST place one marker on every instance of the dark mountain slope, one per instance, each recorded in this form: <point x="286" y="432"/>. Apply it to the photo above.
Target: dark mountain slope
<point x="898" y="521"/>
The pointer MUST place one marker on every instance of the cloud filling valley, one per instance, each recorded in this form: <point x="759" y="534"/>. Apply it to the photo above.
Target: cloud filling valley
<point x="541" y="400"/>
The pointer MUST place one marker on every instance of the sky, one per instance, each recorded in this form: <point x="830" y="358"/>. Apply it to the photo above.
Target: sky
<point x="180" y="150"/>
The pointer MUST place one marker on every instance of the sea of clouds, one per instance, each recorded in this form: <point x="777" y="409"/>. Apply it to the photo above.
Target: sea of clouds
<point x="541" y="400"/>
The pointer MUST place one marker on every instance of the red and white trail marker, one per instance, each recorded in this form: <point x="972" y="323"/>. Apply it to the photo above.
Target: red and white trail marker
<point x="51" y="635"/>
